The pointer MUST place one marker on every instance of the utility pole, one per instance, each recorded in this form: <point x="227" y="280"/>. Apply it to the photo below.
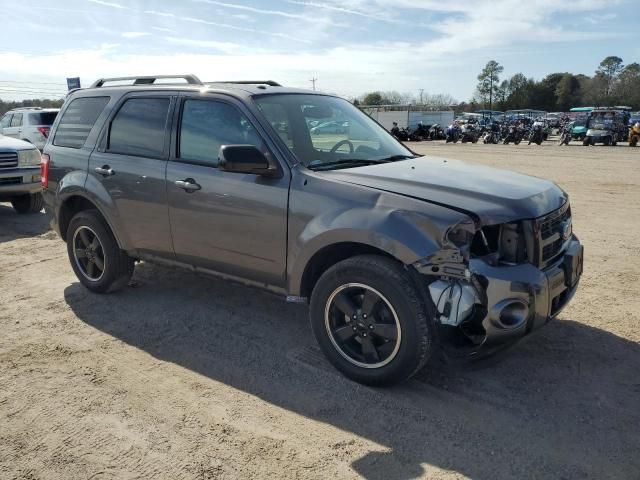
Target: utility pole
<point x="421" y="92"/>
<point x="313" y="82"/>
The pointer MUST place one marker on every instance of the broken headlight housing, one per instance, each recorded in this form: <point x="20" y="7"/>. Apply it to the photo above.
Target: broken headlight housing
<point x="505" y="243"/>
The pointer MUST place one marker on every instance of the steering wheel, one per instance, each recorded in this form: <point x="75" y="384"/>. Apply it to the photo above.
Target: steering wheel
<point x="341" y="143"/>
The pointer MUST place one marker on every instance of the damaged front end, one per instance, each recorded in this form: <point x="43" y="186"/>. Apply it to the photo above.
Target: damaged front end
<point x="493" y="284"/>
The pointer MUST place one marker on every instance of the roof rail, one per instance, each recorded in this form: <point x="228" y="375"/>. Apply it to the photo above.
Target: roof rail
<point x="147" y="80"/>
<point x="26" y="108"/>
<point x="271" y="83"/>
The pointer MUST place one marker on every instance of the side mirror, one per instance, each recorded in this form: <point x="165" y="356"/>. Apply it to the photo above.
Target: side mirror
<point x="245" y="159"/>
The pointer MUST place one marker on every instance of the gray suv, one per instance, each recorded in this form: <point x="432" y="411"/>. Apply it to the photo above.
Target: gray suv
<point x="397" y="255"/>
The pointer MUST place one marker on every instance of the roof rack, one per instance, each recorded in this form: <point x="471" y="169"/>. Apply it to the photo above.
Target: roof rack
<point x="26" y="108"/>
<point x="148" y="80"/>
<point x="271" y="83"/>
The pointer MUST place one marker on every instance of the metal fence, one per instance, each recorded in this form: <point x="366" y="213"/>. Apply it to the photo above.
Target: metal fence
<point x="407" y="115"/>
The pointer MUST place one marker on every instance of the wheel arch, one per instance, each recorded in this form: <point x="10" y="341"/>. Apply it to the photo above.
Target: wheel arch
<point x="328" y="256"/>
<point x="75" y="203"/>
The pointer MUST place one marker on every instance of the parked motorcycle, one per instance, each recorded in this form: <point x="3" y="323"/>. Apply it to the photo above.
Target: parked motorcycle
<point x="492" y="135"/>
<point x="421" y="132"/>
<point x="510" y="135"/>
<point x="634" y="135"/>
<point x="537" y="134"/>
<point x="436" y="132"/>
<point x="565" y="134"/>
<point x="453" y="133"/>
<point x="469" y="133"/>
<point x="401" y="134"/>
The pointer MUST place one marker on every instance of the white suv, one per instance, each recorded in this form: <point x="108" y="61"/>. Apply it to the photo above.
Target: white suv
<point x="31" y="124"/>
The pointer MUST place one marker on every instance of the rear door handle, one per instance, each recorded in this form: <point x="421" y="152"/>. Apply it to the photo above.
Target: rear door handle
<point x="105" y="171"/>
<point x="188" y="185"/>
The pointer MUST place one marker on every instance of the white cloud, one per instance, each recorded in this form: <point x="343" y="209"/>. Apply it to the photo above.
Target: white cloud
<point x="134" y="34"/>
<point x="278" y="13"/>
<point x="108" y="4"/>
<point x="159" y="14"/>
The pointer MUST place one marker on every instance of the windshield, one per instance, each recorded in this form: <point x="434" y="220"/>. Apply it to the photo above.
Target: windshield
<point x="602" y="121"/>
<point x="327" y="132"/>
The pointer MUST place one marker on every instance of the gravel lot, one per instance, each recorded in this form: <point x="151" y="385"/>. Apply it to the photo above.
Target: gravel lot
<point x="187" y="377"/>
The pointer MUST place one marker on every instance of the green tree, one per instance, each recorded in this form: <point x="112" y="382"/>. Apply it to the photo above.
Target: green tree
<point x="519" y="92"/>
<point x="567" y="92"/>
<point x="610" y="68"/>
<point x="489" y="81"/>
<point x="373" y="98"/>
<point x="628" y="87"/>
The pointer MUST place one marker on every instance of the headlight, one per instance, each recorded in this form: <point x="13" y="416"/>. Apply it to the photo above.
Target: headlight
<point x="29" y="158"/>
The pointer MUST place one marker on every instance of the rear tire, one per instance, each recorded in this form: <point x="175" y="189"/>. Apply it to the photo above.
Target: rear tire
<point x="94" y="254"/>
<point x="29" y="203"/>
<point x="397" y="306"/>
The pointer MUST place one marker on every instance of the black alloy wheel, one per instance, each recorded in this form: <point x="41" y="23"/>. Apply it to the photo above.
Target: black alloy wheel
<point x="88" y="253"/>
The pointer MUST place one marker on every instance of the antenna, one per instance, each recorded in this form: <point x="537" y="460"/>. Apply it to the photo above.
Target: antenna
<point x="313" y="82"/>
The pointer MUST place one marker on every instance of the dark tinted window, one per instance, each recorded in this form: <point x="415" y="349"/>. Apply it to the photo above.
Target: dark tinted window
<point x="16" y="121"/>
<point x="207" y="125"/>
<point x="139" y="127"/>
<point x="78" y="120"/>
<point x="42" y="118"/>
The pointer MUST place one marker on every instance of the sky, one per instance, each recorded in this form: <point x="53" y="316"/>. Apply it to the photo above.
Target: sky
<point x="349" y="46"/>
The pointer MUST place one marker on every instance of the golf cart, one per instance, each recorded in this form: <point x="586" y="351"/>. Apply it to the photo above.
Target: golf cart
<point x="580" y="118"/>
<point x="607" y="126"/>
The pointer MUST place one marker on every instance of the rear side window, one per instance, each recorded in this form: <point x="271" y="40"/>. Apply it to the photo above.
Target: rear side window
<point x="78" y="120"/>
<point x="139" y="127"/>
<point x="42" y="118"/>
<point x="6" y="120"/>
<point x="16" y="121"/>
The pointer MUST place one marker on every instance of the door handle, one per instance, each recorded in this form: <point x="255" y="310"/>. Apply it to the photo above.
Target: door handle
<point x="105" y="171"/>
<point x="188" y="185"/>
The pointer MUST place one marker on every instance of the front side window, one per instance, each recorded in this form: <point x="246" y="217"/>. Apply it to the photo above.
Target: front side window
<point x="6" y="121"/>
<point x="326" y="132"/>
<point x="139" y="127"/>
<point x="77" y="121"/>
<point x="207" y="125"/>
<point x="16" y="121"/>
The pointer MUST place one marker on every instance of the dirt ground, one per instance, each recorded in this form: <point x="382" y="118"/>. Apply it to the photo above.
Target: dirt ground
<point x="187" y="377"/>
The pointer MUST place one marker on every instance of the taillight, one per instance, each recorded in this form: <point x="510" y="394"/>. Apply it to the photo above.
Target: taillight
<point x="45" y="161"/>
<point x="44" y="131"/>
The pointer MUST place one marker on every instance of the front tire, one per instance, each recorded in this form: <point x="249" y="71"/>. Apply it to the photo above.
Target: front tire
<point x="29" y="203"/>
<point x="94" y="254"/>
<point x="370" y="320"/>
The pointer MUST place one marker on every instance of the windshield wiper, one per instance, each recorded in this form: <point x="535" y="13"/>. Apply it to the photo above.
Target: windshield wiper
<point x="352" y="162"/>
<point x="395" y="158"/>
<point x="345" y="163"/>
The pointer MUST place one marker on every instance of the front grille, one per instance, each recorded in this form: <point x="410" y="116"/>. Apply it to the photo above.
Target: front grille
<point x="553" y="222"/>
<point x="8" y="159"/>
<point x="549" y="251"/>
<point x="551" y="229"/>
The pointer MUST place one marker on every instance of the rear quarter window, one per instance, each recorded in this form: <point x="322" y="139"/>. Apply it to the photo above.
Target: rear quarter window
<point x="42" y="118"/>
<point x="78" y="120"/>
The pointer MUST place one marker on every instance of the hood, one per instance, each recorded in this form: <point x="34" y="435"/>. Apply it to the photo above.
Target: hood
<point x="489" y="195"/>
<point x="13" y="144"/>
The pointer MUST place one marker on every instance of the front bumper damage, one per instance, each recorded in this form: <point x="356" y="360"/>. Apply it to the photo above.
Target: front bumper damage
<point x="494" y="305"/>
